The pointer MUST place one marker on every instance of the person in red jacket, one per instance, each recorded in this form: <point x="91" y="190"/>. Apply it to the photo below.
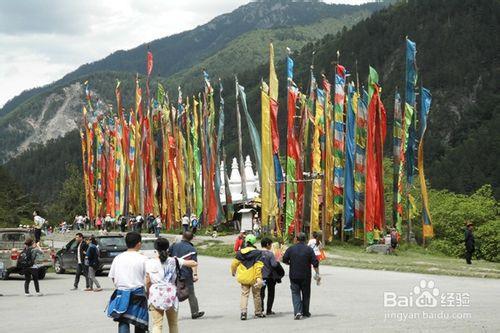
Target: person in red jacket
<point x="240" y="240"/>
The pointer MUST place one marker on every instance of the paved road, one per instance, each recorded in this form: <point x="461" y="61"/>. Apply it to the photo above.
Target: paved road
<point x="347" y="300"/>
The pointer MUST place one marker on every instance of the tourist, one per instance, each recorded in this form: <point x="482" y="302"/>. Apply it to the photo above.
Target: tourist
<point x="238" y="244"/>
<point x="150" y="223"/>
<point x="160" y="283"/>
<point x="128" y="273"/>
<point x="186" y="250"/>
<point x="315" y="244"/>
<point x="194" y="223"/>
<point x="394" y="239"/>
<point x="157" y="226"/>
<point x="27" y="264"/>
<point x="123" y="223"/>
<point x="98" y="223"/>
<point x="81" y="249"/>
<point x="469" y="243"/>
<point x="92" y="263"/>
<point x="139" y="220"/>
<point x="247" y="265"/>
<point x="39" y="222"/>
<point x="185" y="222"/>
<point x="270" y="274"/>
<point x="108" y="222"/>
<point x="301" y="257"/>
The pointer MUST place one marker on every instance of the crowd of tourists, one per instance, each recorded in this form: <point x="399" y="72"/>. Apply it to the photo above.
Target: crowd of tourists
<point x="148" y="289"/>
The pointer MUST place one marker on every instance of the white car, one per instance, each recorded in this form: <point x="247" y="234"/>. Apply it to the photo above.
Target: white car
<point x="148" y="248"/>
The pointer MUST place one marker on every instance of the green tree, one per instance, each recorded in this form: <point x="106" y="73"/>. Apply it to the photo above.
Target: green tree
<point x="71" y="199"/>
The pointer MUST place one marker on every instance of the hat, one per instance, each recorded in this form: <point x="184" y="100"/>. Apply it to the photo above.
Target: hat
<point x="250" y="239"/>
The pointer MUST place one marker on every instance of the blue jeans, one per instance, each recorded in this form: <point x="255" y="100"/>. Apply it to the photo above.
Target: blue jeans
<point x="125" y="328"/>
<point x="301" y="295"/>
<point x="157" y="232"/>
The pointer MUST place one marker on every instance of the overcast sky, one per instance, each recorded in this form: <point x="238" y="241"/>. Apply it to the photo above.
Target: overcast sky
<point x="42" y="40"/>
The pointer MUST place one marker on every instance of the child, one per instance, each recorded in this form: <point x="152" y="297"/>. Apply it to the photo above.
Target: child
<point x="248" y="266"/>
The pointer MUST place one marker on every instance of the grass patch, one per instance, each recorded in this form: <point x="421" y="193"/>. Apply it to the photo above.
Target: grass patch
<point x="215" y="248"/>
<point x="409" y="258"/>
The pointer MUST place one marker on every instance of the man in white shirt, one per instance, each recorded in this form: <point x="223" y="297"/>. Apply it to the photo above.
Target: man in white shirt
<point x="185" y="222"/>
<point x="128" y="272"/>
<point x="39" y="222"/>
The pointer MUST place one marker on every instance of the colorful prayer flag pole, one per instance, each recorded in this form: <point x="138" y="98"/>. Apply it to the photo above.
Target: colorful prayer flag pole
<point x="427" y="230"/>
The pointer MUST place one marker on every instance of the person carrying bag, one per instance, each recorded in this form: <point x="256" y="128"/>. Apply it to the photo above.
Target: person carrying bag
<point x="164" y="286"/>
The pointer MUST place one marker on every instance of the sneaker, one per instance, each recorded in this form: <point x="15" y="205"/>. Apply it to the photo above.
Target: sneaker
<point x="27" y="294"/>
<point x="88" y="289"/>
<point x="298" y="316"/>
<point x="74" y="288"/>
<point x="270" y="313"/>
<point x="98" y="290"/>
<point x="243" y="316"/>
<point x="39" y="294"/>
<point x="308" y="315"/>
<point x="197" y="315"/>
<point x="260" y="315"/>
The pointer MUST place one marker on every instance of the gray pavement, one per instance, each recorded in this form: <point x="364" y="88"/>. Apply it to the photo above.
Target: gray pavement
<point x="347" y="300"/>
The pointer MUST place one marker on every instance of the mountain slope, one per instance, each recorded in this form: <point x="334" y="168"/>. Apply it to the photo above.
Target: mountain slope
<point x="180" y="51"/>
<point x="56" y="109"/>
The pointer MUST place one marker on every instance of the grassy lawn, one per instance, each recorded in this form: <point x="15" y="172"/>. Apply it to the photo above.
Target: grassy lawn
<point x="413" y="259"/>
<point x="410" y="259"/>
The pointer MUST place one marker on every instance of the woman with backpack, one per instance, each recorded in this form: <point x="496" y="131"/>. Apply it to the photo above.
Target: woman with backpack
<point x="27" y="263"/>
<point x="92" y="263"/>
<point x="161" y="275"/>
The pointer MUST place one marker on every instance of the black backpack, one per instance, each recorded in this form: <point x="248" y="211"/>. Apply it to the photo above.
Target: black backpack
<point x="26" y="259"/>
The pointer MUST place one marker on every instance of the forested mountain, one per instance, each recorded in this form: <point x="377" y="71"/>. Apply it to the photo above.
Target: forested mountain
<point x="228" y="44"/>
<point x="458" y="47"/>
<point x="15" y="206"/>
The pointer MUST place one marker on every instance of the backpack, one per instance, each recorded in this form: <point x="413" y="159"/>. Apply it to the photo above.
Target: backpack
<point x="26" y="259"/>
<point x="163" y="295"/>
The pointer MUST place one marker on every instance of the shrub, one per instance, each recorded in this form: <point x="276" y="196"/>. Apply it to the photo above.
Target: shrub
<point x="488" y="241"/>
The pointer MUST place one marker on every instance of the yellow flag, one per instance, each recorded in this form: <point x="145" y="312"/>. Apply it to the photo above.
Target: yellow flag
<point x="316" y="167"/>
<point x="268" y="193"/>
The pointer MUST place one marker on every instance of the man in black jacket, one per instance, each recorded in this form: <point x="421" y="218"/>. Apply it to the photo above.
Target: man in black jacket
<point x="300" y="257"/>
<point x="469" y="243"/>
<point x="81" y="249"/>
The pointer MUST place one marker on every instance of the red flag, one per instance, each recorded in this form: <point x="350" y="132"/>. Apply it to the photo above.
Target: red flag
<point x="274" y="126"/>
<point x="150" y="63"/>
<point x="375" y="216"/>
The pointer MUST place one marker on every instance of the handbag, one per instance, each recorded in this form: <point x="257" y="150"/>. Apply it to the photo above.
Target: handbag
<point x="180" y="283"/>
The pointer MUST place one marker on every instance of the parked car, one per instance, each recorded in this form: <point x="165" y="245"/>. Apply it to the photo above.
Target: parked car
<point x="109" y="248"/>
<point x="12" y="244"/>
<point x="148" y="247"/>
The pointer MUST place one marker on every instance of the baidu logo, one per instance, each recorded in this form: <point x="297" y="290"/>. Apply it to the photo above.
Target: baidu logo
<point x="425" y="295"/>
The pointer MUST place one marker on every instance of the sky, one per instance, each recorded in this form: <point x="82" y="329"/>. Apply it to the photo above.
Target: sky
<point x="42" y="40"/>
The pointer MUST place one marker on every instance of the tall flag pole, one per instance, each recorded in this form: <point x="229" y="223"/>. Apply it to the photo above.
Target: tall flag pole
<point x="196" y="158"/>
<point x="360" y="163"/>
<point x="292" y="156"/>
<point x="328" y="160"/>
<point x="410" y="98"/>
<point x="254" y="134"/>
<point x="317" y="187"/>
<point x="220" y="135"/>
<point x="210" y="147"/>
<point x="350" y="148"/>
<point x="240" y="145"/>
<point x="374" y="207"/>
<point x="268" y="193"/>
<point x="427" y="230"/>
<point x="278" y="171"/>
<point x="339" y="142"/>
<point x="398" y="153"/>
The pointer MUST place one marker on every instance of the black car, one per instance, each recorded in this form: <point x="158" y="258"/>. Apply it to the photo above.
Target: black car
<point x="109" y="248"/>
